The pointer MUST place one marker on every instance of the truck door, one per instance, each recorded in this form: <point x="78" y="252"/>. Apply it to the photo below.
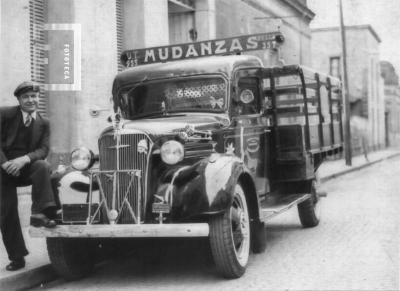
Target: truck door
<point x="248" y="135"/>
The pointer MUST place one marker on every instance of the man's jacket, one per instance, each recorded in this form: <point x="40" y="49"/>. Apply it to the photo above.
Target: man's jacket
<point x="10" y="120"/>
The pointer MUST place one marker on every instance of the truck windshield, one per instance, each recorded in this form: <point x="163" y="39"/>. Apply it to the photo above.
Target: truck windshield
<point x="183" y="95"/>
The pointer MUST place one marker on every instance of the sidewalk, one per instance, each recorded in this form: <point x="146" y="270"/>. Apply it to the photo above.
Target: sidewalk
<point x="38" y="270"/>
<point x="332" y="169"/>
<point x="37" y="267"/>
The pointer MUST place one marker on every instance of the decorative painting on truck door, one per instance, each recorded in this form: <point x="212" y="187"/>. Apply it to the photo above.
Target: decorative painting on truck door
<point x="247" y="139"/>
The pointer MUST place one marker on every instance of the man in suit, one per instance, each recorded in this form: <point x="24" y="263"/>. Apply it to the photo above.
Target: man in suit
<point x="23" y="148"/>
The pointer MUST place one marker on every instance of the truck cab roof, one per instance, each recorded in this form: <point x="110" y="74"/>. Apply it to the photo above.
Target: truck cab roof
<point x="224" y="65"/>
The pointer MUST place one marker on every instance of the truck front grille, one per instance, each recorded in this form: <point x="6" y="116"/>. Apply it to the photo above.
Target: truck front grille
<point x="129" y="156"/>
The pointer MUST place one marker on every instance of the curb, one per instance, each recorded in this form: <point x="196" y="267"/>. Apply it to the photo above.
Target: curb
<point x="28" y="279"/>
<point x="344" y="172"/>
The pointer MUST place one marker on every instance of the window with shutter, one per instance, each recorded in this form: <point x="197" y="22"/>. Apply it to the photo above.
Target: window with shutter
<point x="120" y="32"/>
<point x="37" y="14"/>
<point x="181" y="21"/>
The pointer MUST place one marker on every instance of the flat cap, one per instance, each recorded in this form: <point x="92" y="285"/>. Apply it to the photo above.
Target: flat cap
<point x="25" y="87"/>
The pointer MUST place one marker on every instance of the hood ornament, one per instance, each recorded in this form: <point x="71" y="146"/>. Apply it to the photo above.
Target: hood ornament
<point x="117" y="127"/>
<point x="116" y="123"/>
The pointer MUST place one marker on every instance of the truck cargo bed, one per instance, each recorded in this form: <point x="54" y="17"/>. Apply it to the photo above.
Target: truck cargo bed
<point x="307" y="120"/>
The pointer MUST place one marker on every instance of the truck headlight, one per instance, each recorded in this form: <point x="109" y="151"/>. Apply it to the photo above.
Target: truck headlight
<point x="82" y="159"/>
<point x="172" y="152"/>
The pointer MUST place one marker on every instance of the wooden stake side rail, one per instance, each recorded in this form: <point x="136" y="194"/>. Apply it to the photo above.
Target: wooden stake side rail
<point x="307" y="104"/>
<point x="123" y="230"/>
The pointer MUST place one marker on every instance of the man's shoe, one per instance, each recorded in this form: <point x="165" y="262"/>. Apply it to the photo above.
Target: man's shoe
<point x="58" y="216"/>
<point x="53" y="213"/>
<point x="39" y="219"/>
<point x="16" y="265"/>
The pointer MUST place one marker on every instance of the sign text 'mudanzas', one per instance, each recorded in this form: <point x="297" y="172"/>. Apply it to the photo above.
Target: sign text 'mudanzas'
<point x="262" y="41"/>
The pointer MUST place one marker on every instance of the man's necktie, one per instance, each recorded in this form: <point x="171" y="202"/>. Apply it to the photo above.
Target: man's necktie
<point x="28" y="120"/>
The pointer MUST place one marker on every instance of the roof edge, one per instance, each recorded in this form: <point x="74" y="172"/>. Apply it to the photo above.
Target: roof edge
<point x="300" y="7"/>
<point x="303" y="10"/>
<point x="347" y="27"/>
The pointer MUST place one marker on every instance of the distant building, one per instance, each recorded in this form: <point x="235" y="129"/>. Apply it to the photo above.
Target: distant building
<point x="72" y="48"/>
<point x="365" y="83"/>
<point x="392" y="104"/>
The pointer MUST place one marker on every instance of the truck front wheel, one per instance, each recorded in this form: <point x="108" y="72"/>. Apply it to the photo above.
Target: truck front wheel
<point x="230" y="237"/>
<point x="309" y="212"/>
<point x="71" y="258"/>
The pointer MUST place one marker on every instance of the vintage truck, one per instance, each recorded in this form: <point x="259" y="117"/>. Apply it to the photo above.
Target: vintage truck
<point x="208" y="147"/>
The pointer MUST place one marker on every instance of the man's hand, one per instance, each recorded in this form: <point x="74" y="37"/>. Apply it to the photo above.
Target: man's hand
<point x="10" y="168"/>
<point x="14" y="166"/>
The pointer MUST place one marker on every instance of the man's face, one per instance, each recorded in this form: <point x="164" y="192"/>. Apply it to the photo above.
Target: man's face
<point x="29" y="101"/>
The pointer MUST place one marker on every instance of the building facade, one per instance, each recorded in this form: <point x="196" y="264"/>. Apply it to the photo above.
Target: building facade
<point x="392" y="104"/>
<point x="72" y="49"/>
<point x="365" y="82"/>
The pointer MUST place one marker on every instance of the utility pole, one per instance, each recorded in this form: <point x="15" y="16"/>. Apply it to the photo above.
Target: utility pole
<point x="346" y="101"/>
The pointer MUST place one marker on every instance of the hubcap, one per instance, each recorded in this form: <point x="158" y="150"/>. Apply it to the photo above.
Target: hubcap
<point x="240" y="226"/>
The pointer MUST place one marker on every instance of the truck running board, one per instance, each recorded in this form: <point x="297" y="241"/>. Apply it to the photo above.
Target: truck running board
<point x="276" y="204"/>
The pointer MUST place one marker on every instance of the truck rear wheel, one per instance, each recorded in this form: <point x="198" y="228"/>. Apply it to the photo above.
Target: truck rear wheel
<point x="230" y="237"/>
<point x="308" y="210"/>
<point x="71" y="258"/>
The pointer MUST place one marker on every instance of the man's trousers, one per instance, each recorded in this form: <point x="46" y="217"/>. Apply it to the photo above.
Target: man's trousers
<point x="36" y="174"/>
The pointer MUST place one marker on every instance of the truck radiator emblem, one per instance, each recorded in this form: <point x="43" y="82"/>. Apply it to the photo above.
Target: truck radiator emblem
<point x="142" y="147"/>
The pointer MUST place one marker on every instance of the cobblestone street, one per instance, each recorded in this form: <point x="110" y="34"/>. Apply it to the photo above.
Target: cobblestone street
<point x="355" y="247"/>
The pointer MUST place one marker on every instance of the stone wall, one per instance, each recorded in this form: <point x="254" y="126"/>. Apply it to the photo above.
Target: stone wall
<point x="14" y="48"/>
<point x="69" y="110"/>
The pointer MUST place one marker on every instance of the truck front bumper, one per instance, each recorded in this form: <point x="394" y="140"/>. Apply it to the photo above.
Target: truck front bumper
<point x="123" y="230"/>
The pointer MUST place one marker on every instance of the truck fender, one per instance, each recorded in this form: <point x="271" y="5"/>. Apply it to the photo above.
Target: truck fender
<point x="207" y="186"/>
<point x="220" y="177"/>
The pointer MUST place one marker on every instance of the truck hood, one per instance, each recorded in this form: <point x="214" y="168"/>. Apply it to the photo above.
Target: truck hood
<point x="170" y="124"/>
